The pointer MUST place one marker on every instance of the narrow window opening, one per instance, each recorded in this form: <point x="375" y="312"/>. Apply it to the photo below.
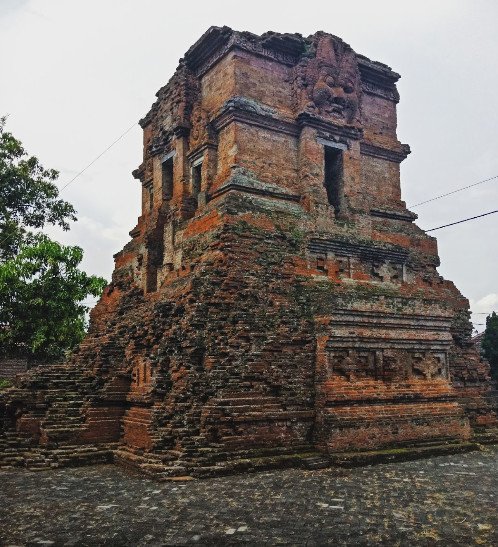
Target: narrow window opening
<point x="151" y="282"/>
<point x="167" y="178"/>
<point x="334" y="176"/>
<point x="155" y="255"/>
<point x="149" y="196"/>
<point x="196" y="178"/>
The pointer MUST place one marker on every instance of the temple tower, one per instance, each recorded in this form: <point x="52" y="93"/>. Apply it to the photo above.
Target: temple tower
<point x="276" y="298"/>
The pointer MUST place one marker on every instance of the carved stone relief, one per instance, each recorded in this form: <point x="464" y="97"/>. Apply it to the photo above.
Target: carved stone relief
<point x="329" y="83"/>
<point x="387" y="365"/>
<point x="355" y="261"/>
<point x="429" y="365"/>
<point x="395" y="365"/>
<point x="387" y="271"/>
<point x="352" y="364"/>
<point x="140" y="375"/>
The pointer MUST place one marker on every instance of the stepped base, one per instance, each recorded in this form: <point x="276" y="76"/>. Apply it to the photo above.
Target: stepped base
<point x="158" y="466"/>
<point x="486" y="435"/>
<point x="43" y="458"/>
<point x="370" y="457"/>
<point x="255" y="461"/>
<point x="171" y="465"/>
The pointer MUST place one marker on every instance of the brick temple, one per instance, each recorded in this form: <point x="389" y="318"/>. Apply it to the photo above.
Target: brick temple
<point x="276" y="304"/>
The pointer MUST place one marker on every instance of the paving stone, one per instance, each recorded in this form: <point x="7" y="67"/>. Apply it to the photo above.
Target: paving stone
<point x="386" y="504"/>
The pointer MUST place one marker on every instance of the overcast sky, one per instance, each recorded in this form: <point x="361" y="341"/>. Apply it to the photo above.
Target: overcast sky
<point x="76" y="74"/>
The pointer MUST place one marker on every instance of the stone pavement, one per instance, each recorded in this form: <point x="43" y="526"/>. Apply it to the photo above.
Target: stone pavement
<point x="448" y="500"/>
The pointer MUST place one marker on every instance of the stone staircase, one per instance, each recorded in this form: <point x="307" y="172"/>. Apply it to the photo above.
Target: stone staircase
<point x="13" y="446"/>
<point x="64" y="394"/>
<point x="238" y="432"/>
<point x="55" y="414"/>
<point x="64" y="417"/>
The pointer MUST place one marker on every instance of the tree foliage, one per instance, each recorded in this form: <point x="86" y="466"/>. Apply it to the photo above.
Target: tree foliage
<point x="489" y="343"/>
<point x="41" y="285"/>
<point x="28" y="196"/>
<point x="40" y="294"/>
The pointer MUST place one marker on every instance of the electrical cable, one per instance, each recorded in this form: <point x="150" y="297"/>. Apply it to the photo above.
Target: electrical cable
<point x="464" y="220"/>
<point x="85" y="168"/>
<point x="98" y="157"/>
<point x="453" y="192"/>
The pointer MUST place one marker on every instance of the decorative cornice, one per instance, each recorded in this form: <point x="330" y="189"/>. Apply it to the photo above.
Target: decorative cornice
<point x="377" y="71"/>
<point x="317" y="122"/>
<point x="147" y="119"/>
<point x="382" y="319"/>
<point x="407" y="216"/>
<point x="374" y="343"/>
<point x="198" y="151"/>
<point x="375" y="151"/>
<point x="243" y="180"/>
<point x="181" y="130"/>
<point x="218" y="41"/>
<point x="234" y="186"/>
<point x="375" y="401"/>
<point x="134" y="232"/>
<point x="139" y="172"/>
<point x="390" y="93"/>
<point x="208" y="49"/>
<point x="240" y="109"/>
<point x="378" y="79"/>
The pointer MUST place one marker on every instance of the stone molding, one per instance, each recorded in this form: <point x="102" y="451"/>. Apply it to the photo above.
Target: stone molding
<point x="321" y="124"/>
<point x="377" y="78"/>
<point x="216" y="42"/>
<point x="241" y="183"/>
<point x="252" y="113"/>
<point x="406" y="216"/>
<point x="363" y="251"/>
<point x="386" y="93"/>
<point x="258" y="115"/>
<point x="389" y="320"/>
<point x="375" y="151"/>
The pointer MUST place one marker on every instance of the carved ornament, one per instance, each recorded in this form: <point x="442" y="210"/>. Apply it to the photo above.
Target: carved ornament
<point x="328" y="84"/>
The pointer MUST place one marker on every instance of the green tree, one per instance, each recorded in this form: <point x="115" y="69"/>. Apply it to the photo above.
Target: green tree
<point x="41" y="286"/>
<point x="489" y="343"/>
<point x="28" y="196"/>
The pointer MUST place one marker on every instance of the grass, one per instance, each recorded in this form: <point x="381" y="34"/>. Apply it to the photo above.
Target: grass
<point x="4" y="383"/>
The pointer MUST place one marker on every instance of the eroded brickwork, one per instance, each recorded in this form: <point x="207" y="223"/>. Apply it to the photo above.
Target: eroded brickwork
<point x="276" y="302"/>
<point x="10" y="366"/>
